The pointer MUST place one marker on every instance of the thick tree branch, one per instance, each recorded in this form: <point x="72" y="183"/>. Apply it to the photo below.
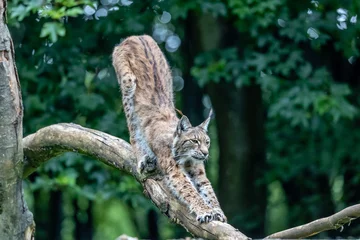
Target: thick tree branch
<point x="335" y="221"/>
<point x="56" y="139"/>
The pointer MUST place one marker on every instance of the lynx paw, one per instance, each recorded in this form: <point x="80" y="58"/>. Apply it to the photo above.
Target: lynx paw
<point x="205" y="217"/>
<point x="218" y="215"/>
<point x="147" y="165"/>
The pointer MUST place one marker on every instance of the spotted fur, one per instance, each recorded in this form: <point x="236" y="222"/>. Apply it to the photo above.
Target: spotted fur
<point x="160" y="140"/>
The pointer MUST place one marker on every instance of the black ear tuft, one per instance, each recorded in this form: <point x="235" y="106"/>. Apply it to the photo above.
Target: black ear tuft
<point x="205" y="124"/>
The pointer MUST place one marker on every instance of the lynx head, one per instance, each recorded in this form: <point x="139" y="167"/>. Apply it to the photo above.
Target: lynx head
<point x="191" y="143"/>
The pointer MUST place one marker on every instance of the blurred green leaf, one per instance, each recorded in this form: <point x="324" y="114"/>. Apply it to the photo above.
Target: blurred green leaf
<point x="52" y="30"/>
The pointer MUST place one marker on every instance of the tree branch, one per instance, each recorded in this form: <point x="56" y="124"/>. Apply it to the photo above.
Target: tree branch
<point x="56" y="139"/>
<point x="335" y="221"/>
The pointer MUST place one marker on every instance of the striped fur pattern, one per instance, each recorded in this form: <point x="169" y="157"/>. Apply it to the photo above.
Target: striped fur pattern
<point x="160" y="140"/>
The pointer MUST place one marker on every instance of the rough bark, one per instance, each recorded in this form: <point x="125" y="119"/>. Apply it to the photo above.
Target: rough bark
<point x="16" y="221"/>
<point x="57" y="139"/>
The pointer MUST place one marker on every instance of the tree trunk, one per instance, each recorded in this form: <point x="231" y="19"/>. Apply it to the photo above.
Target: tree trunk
<point x="83" y="221"/>
<point x="55" y="215"/>
<point x="153" y="228"/>
<point x="16" y="221"/>
<point x="191" y="94"/>
<point x="239" y="118"/>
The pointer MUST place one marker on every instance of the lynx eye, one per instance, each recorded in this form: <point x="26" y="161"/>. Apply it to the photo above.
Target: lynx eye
<point x="194" y="141"/>
<point x="207" y="142"/>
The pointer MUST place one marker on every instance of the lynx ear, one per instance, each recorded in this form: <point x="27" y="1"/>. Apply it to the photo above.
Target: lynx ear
<point x="205" y="124"/>
<point x="183" y="125"/>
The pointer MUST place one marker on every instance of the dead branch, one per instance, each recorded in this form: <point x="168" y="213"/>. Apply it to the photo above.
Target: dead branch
<point x="335" y="221"/>
<point x="56" y="139"/>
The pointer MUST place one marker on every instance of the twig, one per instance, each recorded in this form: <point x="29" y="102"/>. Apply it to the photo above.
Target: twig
<point x="335" y="221"/>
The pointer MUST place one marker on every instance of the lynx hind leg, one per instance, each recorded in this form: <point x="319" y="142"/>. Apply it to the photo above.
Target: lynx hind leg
<point x="147" y="164"/>
<point x="146" y="159"/>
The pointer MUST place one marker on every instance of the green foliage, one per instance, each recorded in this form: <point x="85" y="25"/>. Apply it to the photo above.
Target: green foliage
<point x="218" y="65"/>
<point x="52" y="30"/>
<point x="246" y="10"/>
<point x="48" y="10"/>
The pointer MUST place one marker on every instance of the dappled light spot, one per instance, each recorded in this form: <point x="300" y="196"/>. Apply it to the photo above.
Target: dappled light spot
<point x="126" y="2"/>
<point x="165" y="17"/>
<point x="108" y="2"/>
<point x="89" y="10"/>
<point x="352" y="60"/>
<point x="315" y="3"/>
<point x="353" y="19"/>
<point x="206" y="101"/>
<point x="178" y="83"/>
<point x="281" y="22"/>
<point x="342" y="25"/>
<point x="341" y="18"/>
<point x="172" y="43"/>
<point x="312" y="33"/>
<point x="115" y="8"/>
<point x="102" y="74"/>
<point x="160" y="32"/>
<point x="342" y="11"/>
<point x="101" y="12"/>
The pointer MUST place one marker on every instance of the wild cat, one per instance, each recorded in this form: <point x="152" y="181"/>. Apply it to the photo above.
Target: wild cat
<point x="160" y="140"/>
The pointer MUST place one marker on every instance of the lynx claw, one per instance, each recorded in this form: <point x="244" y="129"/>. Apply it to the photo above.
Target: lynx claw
<point x="218" y="215"/>
<point x="204" y="218"/>
<point x="147" y="165"/>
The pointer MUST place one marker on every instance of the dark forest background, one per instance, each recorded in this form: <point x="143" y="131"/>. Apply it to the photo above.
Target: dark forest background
<point x="283" y="79"/>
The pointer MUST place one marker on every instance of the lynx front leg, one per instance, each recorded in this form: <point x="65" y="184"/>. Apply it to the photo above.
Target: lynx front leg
<point x="198" y="177"/>
<point x="185" y="191"/>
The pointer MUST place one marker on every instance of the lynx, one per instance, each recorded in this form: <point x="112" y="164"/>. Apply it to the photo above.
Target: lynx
<point x="160" y="140"/>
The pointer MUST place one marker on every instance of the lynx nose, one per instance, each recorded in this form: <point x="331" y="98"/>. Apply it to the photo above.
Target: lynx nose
<point x="205" y="152"/>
